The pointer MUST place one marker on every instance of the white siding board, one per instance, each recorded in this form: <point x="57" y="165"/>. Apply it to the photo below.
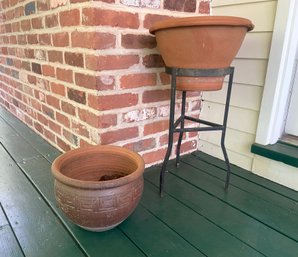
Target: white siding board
<point x="236" y="141"/>
<point x="256" y="45"/>
<point x="262" y="14"/>
<point x="276" y="171"/>
<point x="250" y="71"/>
<point x="239" y="119"/>
<point x="216" y="3"/>
<point x="234" y="157"/>
<point x="252" y="99"/>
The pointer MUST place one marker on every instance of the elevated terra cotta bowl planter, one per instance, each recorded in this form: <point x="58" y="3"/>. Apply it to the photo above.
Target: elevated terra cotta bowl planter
<point x="203" y="42"/>
<point x="98" y="187"/>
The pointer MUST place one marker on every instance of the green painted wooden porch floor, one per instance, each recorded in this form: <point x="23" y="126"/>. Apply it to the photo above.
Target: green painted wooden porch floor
<point x="195" y="218"/>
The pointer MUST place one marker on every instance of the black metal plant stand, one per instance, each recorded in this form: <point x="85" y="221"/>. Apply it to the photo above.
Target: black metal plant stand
<point x="173" y="126"/>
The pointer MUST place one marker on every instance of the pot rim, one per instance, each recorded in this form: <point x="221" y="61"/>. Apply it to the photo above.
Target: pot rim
<point x="201" y="21"/>
<point x="118" y="150"/>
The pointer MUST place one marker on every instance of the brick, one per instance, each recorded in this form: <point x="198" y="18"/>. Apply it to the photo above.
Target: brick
<point x="49" y="112"/>
<point x="43" y="119"/>
<point x="181" y="5"/>
<point x="119" y="135"/>
<point x="93" y="40"/>
<point x="98" y="121"/>
<point x="64" y="75"/>
<point x="68" y="108"/>
<point x="138" y="80"/>
<point x="156" y="96"/>
<point x="60" y="39"/>
<point x="150" y="19"/>
<point x="132" y="41"/>
<point x="32" y="39"/>
<point x="8" y="28"/>
<point x="142" y="145"/>
<point x="76" y="95"/>
<point x="12" y="40"/>
<point x="48" y="70"/>
<point x="95" y="82"/>
<point x="82" y="1"/>
<point x="49" y="135"/>
<point x="51" y="21"/>
<point x="74" y="59"/>
<point x="85" y="80"/>
<point x="43" y="5"/>
<point x="153" y="61"/>
<point x="58" y="89"/>
<point x="55" y="56"/>
<point x="63" y="145"/>
<point x="22" y="39"/>
<point x="53" y="101"/>
<point x="62" y="119"/>
<point x="16" y="27"/>
<point x="36" y="68"/>
<point x="165" y="78"/>
<point x="105" y="82"/>
<point x="142" y="3"/>
<point x="54" y="127"/>
<point x="156" y="127"/>
<point x="110" y="102"/>
<point x="38" y="127"/>
<point x="155" y="156"/>
<point x="44" y="39"/>
<point x="111" y="62"/>
<point x="36" y="23"/>
<point x="80" y="129"/>
<point x="30" y="8"/>
<point x="19" y="12"/>
<point x="98" y="17"/>
<point x="204" y="7"/>
<point x="25" y="25"/>
<point x="70" y="137"/>
<point x="139" y="115"/>
<point x="70" y="18"/>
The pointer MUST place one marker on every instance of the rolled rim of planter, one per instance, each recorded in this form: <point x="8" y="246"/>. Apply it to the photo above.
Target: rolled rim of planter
<point x="202" y="21"/>
<point x="116" y="151"/>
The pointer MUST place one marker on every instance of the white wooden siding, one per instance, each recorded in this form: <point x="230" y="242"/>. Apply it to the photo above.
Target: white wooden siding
<point x="250" y="73"/>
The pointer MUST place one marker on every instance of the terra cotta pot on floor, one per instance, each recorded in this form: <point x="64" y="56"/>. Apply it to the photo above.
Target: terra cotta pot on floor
<point x="203" y="42"/>
<point x="98" y="187"/>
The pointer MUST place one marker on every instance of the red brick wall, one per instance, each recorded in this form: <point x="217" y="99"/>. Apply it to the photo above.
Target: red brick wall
<point x="88" y="72"/>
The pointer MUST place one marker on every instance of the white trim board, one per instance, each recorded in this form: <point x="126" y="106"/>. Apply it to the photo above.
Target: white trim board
<point x="279" y="73"/>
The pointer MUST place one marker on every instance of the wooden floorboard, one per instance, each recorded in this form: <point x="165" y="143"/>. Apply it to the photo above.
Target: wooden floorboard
<point x="196" y="217"/>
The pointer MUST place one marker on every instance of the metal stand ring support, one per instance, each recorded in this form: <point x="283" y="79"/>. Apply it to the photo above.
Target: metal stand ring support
<point x="175" y="72"/>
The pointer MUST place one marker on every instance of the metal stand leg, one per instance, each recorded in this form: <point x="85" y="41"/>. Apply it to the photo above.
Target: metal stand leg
<point x="222" y="142"/>
<point x="210" y="126"/>
<point x="182" y="127"/>
<point x="171" y="132"/>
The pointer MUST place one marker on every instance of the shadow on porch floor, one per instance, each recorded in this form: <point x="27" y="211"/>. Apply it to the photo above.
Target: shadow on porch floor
<point x="195" y="218"/>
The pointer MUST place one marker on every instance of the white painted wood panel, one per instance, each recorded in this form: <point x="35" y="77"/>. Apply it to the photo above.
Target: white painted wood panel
<point x="239" y="119"/>
<point x="250" y="71"/>
<point x="216" y="3"/>
<point x="262" y="14"/>
<point x="236" y="141"/>
<point x="234" y="157"/>
<point x="256" y="45"/>
<point x="252" y="99"/>
<point x="292" y="118"/>
<point x="276" y="171"/>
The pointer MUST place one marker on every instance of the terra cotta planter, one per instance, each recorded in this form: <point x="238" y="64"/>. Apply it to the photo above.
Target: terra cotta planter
<point x="98" y="187"/>
<point x="203" y="42"/>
